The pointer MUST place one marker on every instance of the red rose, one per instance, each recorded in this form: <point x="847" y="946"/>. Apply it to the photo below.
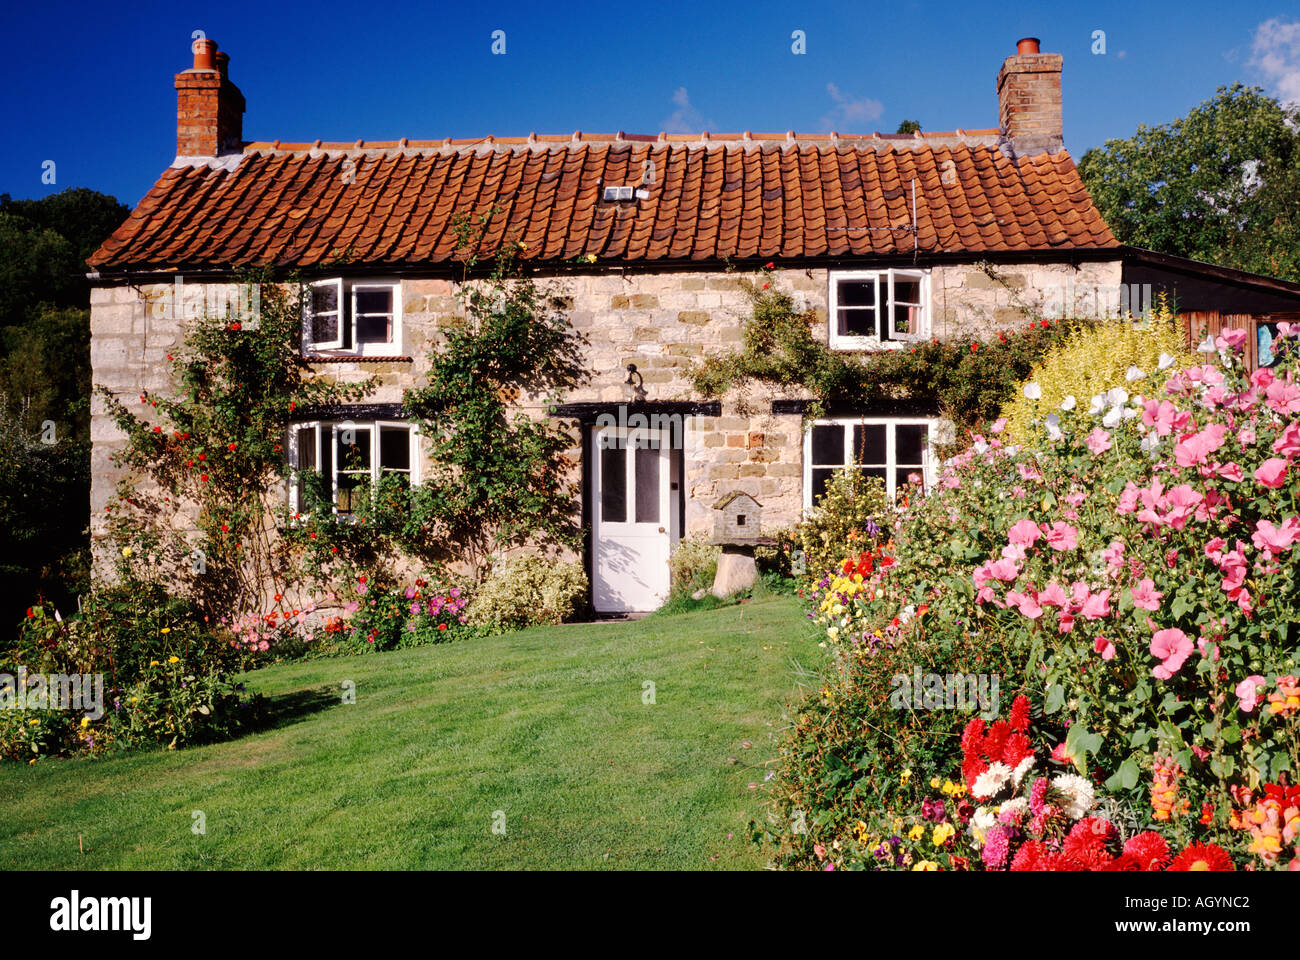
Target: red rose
<point x="203" y="456"/>
<point x="291" y="406"/>
<point x="224" y="528"/>
<point x="312" y="535"/>
<point x="204" y="478"/>
<point x="442" y="626"/>
<point x="974" y="347"/>
<point x="230" y="446"/>
<point x="235" y="326"/>
<point x="157" y="429"/>
<point x="769" y="265"/>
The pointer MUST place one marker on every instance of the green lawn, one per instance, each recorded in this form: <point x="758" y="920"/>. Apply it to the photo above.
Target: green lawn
<point x="547" y="726"/>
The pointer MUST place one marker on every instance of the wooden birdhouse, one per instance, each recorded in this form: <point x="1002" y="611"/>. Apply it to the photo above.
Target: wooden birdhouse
<point x="737" y="517"/>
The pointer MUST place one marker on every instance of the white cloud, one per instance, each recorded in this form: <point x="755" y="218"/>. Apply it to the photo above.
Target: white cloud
<point x="686" y="119"/>
<point x="1275" y="54"/>
<point x="849" y="114"/>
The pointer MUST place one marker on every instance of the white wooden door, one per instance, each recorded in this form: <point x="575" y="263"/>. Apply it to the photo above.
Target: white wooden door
<point x="632" y="519"/>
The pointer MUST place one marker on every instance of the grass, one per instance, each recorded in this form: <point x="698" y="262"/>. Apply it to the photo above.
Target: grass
<point x="546" y="726"/>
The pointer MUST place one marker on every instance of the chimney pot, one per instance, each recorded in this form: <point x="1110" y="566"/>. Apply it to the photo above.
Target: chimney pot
<point x="205" y="54"/>
<point x="223" y="64"/>
<point x="1027" y="46"/>
<point x="1029" y="99"/>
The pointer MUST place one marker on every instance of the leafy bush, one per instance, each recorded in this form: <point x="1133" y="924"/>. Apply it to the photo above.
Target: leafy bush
<point x="524" y="591"/>
<point x="1132" y="570"/>
<point x="1096" y="357"/>
<point x="847" y="517"/>
<point x="390" y="617"/>
<point x="693" y="564"/>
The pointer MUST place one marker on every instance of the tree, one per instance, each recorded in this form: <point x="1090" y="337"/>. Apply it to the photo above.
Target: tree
<point x="909" y="126"/>
<point x="1221" y="184"/>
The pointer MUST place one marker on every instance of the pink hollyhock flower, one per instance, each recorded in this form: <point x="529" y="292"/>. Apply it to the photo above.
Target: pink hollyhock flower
<point x="1104" y="647"/>
<point x="1230" y="471"/>
<point x="1282" y="397"/>
<point x="1231" y="339"/>
<point x="1025" y="603"/>
<point x="1014" y="552"/>
<point x="1065" y="621"/>
<point x="1196" y="449"/>
<point x="986" y="595"/>
<point x="1097" y="605"/>
<point x="1214" y="548"/>
<point x="1145" y="595"/>
<point x="1208" y="649"/>
<point x="1262" y="377"/>
<point x="1028" y="471"/>
<point x="1098" y="441"/>
<point x="1288" y="441"/>
<point x="1114" y="555"/>
<point x="1248" y="692"/>
<point x="1024" y="533"/>
<point x="1128" y="499"/>
<point x="1006" y="570"/>
<point x="1052" y="596"/>
<point x="1075" y="499"/>
<point x="1173" y="647"/>
<point x="1272" y="473"/>
<point x="1246" y="437"/>
<point x="1061" y="536"/>
<point x="1159" y="414"/>
<point x="1276" y="539"/>
<point x="999" y="425"/>
<point x="1018" y="492"/>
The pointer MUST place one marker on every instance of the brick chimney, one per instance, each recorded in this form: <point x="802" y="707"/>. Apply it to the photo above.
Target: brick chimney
<point x="209" y="108"/>
<point x="1029" y="99"/>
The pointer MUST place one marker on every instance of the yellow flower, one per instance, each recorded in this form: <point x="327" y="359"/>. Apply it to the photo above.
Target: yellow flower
<point x="173" y="659"/>
<point x="85" y="722"/>
<point x="934" y="783"/>
<point x="134" y="699"/>
<point x="905" y="776"/>
<point x="941" y="834"/>
<point x="860" y="831"/>
<point x="898" y="824"/>
<point x="126" y="551"/>
<point x="926" y="866"/>
<point x="153" y="663"/>
<point x="32" y="723"/>
<point x="165" y="630"/>
<point x="916" y="833"/>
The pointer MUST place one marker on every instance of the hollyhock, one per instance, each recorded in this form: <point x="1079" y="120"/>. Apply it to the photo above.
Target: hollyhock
<point x="1172" y="647"/>
<point x="1159" y="414"/>
<point x="1023" y="532"/>
<point x="1288" y="441"/>
<point x="1230" y="471"/>
<point x="1104" y="647"/>
<point x="1283" y="398"/>
<point x="1065" y="621"/>
<point x="1275" y="539"/>
<point x="1052" y="595"/>
<point x="1005" y="570"/>
<point x="1097" y="605"/>
<point x="1272" y="473"/>
<point x="1145" y="595"/>
<point x="1025" y="603"/>
<point x="1098" y="441"/>
<point x="1114" y="556"/>
<point x="1196" y="448"/>
<point x="1248" y="692"/>
<point x="1231" y="339"/>
<point x="1061" y="536"/>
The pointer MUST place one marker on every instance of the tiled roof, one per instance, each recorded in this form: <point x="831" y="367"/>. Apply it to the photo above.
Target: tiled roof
<point x="393" y="204"/>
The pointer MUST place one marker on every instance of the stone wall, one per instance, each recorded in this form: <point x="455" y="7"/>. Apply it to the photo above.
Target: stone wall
<point x="664" y="323"/>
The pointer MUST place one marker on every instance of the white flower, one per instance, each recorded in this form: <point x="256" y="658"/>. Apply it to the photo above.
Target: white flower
<point x="1054" y="427"/>
<point x="1068" y="403"/>
<point x="1130" y="413"/>
<point x="1150" y="442"/>
<point x="1078" y="792"/>
<point x="1033" y="391"/>
<point x="990" y="782"/>
<point x="1016" y="804"/>
<point x="982" y="822"/>
<point x="1018" y="774"/>
<point x="1097" y="404"/>
<point x="1112" y="418"/>
<point x="980" y="446"/>
<point x="1116" y="396"/>
<point x="1166" y="361"/>
<point x="1206" y="345"/>
<point x="1134" y="374"/>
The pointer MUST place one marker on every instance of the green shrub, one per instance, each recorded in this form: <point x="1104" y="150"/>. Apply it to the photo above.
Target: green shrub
<point x="693" y="564"/>
<point x="525" y="591"/>
<point x="847" y="519"/>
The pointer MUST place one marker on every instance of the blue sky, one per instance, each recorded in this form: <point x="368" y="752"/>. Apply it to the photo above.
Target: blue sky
<point x="89" y="85"/>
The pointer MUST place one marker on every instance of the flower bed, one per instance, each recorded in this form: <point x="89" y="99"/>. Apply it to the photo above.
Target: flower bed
<point x="1129" y="575"/>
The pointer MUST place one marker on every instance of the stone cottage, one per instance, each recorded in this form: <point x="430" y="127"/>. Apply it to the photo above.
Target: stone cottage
<point x="880" y="234"/>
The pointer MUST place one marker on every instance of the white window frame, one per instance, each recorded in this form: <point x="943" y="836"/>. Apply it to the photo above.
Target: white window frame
<point x="347" y="300"/>
<point x="891" y="456"/>
<point x="330" y="428"/>
<point x="884" y="290"/>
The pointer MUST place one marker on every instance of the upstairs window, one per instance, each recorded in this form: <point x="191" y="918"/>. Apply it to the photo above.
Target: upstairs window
<point x="878" y="308"/>
<point x="342" y="318"/>
<point x="894" y="451"/>
<point x="345" y="461"/>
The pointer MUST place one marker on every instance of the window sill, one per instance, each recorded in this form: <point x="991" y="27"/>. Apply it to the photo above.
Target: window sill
<point x="353" y="358"/>
<point x="866" y="344"/>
